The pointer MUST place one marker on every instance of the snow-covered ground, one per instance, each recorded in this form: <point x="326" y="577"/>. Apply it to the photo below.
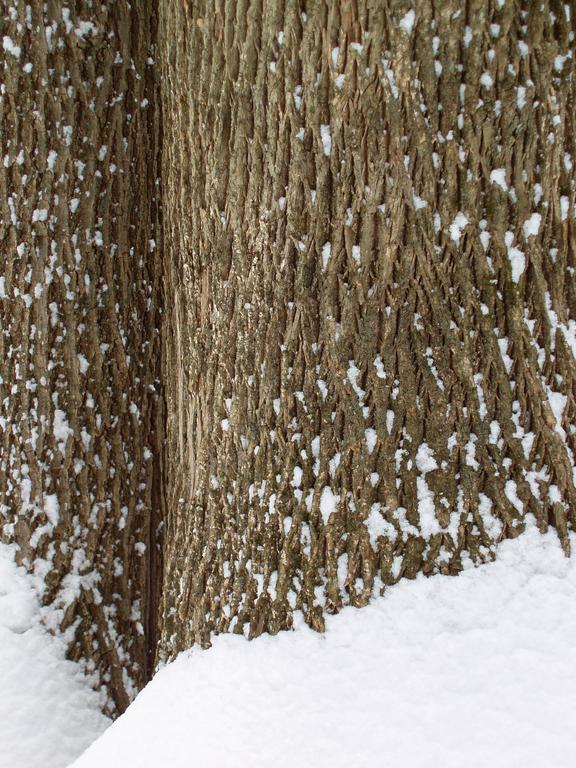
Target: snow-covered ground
<point x="474" y="671"/>
<point x="48" y="713"/>
<point x="477" y="671"/>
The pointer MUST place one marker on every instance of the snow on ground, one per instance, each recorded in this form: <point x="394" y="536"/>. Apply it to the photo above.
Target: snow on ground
<point x="466" y="672"/>
<point x="48" y="713"/>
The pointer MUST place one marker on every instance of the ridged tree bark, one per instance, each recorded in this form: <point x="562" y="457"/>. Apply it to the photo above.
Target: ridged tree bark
<point x="371" y="316"/>
<point x="80" y="416"/>
<point x="370" y="309"/>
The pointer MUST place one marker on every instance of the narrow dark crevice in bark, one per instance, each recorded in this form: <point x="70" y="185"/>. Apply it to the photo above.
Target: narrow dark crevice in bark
<point x="154" y="574"/>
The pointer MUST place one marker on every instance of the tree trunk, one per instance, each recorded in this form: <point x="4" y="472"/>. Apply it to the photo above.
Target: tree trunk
<point x="80" y="416"/>
<point x="370" y="330"/>
<point x="371" y="327"/>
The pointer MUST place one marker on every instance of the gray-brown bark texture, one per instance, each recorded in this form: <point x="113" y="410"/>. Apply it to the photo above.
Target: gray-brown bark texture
<point x="371" y="317"/>
<point x="79" y="349"/>
<point x="370" y="314"/>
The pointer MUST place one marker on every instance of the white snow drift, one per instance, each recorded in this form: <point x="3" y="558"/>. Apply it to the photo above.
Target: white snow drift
<point x="474" y="671"/>
<point x="48" y="713"/>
